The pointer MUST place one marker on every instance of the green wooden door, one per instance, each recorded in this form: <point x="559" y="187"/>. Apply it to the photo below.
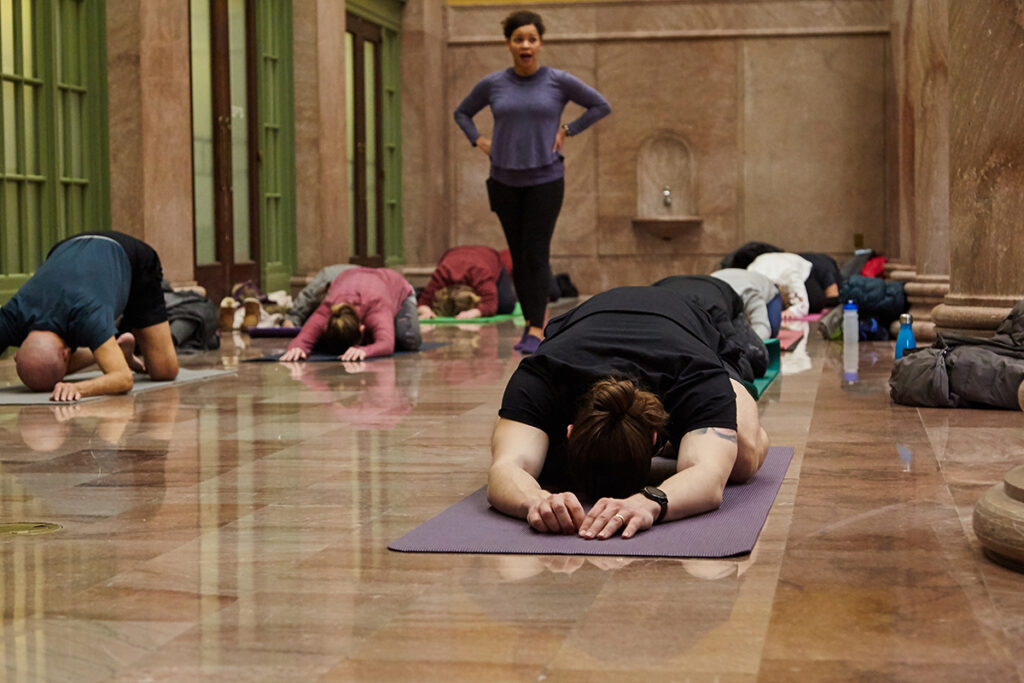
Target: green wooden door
<point x="54" y="169"/>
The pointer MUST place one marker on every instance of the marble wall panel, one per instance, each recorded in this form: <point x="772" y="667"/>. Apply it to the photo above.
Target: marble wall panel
<point x="814" y="133"/>
<point x="124" y="114"/>
<point x="731" y="80"/>
<point x="986" y="152"/>
<point x="685" y="89"/>
<point x="307" y="134"/>
<point x="480" y="22"/>
<point x="727" y="17"/>
<point x="150" y="129"/>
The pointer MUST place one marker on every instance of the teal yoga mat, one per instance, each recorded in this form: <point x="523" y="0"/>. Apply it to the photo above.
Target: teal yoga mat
<point x="758" y="386"/>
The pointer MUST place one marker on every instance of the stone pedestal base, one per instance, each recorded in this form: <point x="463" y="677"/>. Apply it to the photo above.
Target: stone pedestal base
<point x="977" y="315"/>
<point x="999" y="521"/>
<point x="924" y="293"/>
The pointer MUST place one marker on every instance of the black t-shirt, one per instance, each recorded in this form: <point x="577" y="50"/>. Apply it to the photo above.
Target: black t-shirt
<point x="649" y="334"/>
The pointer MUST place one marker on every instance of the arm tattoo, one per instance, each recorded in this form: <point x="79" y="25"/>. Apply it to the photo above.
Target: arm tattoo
<point x="725" y="434"/>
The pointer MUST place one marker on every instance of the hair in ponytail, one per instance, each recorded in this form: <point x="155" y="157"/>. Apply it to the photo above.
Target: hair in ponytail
<point x="342" y="329"/>
<point x="452" y="300"/>
<point x="609" y="450"/>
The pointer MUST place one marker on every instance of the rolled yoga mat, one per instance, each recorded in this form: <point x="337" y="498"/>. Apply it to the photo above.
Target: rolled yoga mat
<point x="472" y="526"/>
<point x="19" y="395"/>
<point x="328" y="357"/>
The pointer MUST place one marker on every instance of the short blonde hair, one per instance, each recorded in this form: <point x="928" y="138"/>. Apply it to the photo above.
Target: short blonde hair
<point x="452" y="300"/>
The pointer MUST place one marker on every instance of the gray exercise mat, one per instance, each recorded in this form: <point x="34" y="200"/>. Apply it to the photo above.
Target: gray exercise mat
<point x="19" y="395"/>
<point x="472" y="526"/>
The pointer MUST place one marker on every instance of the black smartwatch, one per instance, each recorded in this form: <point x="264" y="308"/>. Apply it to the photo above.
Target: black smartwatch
<point x="659" y="497"/>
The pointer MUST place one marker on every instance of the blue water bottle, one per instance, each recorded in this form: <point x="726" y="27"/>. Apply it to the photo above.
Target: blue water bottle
<point x="905" y="339"/>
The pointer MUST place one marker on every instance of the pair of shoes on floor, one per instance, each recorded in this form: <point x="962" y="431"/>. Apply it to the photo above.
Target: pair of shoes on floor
<point x="252" y="313"/>
<point x="226" y="318"/>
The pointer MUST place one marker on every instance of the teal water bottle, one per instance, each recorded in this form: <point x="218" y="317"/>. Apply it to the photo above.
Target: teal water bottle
<point x="905" y="339"/>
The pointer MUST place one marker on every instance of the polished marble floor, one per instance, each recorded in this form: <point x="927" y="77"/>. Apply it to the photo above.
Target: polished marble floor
<point x="236" y="530"/>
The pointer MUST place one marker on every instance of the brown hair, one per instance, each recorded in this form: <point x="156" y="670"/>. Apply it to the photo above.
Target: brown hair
<point x="452" y="300"/>
<point x="342" y="329"/>
<point x="609" y="450"/>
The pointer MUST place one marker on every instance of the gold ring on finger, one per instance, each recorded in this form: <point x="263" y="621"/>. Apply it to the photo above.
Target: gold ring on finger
<point x="620" y="518"/>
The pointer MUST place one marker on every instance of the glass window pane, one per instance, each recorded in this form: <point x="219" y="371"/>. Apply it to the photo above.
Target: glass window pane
<point x="70" y="24"/>
<point x="7" y="36"/>
<point x="239" y="130"/>
<point x="75" y="163"/>
<point x="350" y="130"/>
<point x="12" y="207"/>
<point x="28" y="65"/>
<point x="10" y="127"/>
<point x="73" y="209"/>
<point x="202" y="134"/>
<point x="33" y="208"/>
<point x="31" y="94"/>
<point x="370" y="111"/>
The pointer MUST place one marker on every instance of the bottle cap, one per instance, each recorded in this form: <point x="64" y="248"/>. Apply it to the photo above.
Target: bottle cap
<point x="850" y="306"/>
<point x="906" y="319"/>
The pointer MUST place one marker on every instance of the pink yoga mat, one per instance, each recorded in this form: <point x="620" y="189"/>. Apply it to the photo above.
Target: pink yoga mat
<point x="472" y="526"/>
<point x="789" y="338"/>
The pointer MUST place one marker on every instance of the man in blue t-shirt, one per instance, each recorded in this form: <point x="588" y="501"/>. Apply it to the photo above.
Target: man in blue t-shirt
<point x="68" y="314"/>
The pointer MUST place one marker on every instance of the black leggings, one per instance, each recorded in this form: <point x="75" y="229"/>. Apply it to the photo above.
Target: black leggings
<point x="528" y="216"/>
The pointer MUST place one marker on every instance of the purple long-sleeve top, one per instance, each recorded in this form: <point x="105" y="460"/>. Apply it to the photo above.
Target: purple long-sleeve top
<point x="527" y="112"/>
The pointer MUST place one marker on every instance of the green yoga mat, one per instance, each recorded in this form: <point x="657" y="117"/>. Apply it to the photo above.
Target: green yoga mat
<point x="517" y="312"/>
<point x="758" y="386"/>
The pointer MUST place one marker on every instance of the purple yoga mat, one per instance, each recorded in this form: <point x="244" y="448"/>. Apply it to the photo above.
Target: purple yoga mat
<point x="472" y="526"/>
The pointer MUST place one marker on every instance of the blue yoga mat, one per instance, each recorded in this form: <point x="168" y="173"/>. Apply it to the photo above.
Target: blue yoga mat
<point x="472" y="526"/>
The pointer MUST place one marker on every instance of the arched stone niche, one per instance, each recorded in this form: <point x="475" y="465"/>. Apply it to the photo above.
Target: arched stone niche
<point x="666" y="200"/>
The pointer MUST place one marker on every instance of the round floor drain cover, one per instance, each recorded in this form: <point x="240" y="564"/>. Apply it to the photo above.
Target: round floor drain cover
<point x="28" y="528"/>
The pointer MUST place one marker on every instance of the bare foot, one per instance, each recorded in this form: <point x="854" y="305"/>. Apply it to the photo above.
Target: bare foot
<point x="127" y="343"/>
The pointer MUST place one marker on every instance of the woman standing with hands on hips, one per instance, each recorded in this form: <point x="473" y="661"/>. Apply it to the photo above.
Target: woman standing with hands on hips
<point x="526" y="183"/>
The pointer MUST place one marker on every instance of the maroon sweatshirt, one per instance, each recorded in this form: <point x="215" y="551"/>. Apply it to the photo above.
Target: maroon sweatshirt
<point x="475" y="266"/>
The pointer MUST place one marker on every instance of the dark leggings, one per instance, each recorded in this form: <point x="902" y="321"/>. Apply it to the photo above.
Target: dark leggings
<point x="506" y="295"/>
<point x="528" y="216"/>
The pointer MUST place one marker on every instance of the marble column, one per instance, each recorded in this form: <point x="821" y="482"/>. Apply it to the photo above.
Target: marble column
<point x="426" y="125"/>
<point x="986" y="73"/>
<point x="322" y="210"/>
<point x="150" y="123"/>
<point x="920" y="39"/>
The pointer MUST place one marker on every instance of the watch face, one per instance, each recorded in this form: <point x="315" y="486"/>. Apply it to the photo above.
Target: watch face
<point x="655" y="494"/>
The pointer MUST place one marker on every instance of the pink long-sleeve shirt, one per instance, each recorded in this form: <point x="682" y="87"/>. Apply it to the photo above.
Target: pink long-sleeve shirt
<point x="377" y="295"/>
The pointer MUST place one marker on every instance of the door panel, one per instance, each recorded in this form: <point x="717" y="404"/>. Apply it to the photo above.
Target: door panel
<point x="364" y="94"/>
<point x="225" y="160"/>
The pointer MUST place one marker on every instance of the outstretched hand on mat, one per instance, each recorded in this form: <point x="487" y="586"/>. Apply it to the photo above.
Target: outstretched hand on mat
<point x="610" y="516"/>
<point x="292" y="355"/>
<point x="559" y="513"/>
<point x="353" y="353"/>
